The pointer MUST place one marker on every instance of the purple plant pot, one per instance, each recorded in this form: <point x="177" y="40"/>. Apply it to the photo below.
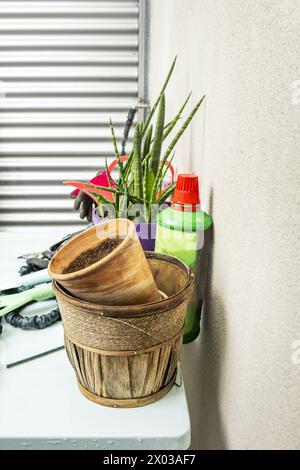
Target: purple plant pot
<point x="96" y="217"/>
<point x="146" y="232"/>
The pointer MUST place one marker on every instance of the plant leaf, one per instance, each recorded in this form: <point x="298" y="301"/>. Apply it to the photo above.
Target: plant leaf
<point x="137" y="169"/>
<point x="167" y="193"/>
<point x="158" y="137"/>
<point x="107" y="173"/>
<point x="163" y="174"/>
<point x="150" y="180"/>
<point x="181" y="130"/>
<point x="172" y="145"/>
<point x="90" y="189"/>
<point x="147" y="142"/>
<point x="174" y="121"/>
<point x="153" y="109"/>
<point x="120" y="164"/>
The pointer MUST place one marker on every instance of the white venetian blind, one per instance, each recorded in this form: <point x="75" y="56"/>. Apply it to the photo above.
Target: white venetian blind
<point x="65" y="68"/>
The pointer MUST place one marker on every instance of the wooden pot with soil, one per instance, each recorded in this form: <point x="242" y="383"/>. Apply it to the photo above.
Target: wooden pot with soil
<point x="105" y="264"/>
<point x="126" y="356"/>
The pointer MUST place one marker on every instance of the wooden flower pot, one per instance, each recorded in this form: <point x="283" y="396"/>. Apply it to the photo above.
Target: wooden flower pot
<point x="123" y="277"/>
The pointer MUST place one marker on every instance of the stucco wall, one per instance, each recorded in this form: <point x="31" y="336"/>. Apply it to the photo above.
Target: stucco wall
<point x="243" y="382"/>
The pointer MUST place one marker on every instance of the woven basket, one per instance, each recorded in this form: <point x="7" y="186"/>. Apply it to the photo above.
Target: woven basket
<point x="126" y="356"/>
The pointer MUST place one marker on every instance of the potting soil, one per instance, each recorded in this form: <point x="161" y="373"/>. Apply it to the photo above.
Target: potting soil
<point x="92" y="255"/>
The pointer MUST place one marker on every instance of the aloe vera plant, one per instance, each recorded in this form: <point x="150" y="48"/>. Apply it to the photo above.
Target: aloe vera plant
<point x="141" y="177"/>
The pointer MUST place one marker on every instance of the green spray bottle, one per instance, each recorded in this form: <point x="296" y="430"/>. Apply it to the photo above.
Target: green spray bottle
<point x="184" y="231"/>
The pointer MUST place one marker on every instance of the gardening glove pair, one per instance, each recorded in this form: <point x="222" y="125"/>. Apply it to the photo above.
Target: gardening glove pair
<point x="11" y="302"/>
<point x="84" y="204"/>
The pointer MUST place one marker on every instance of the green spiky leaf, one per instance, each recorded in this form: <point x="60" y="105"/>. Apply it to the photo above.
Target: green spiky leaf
<point x="153" y="109"/>
<point x="150" y="179"/>
<point x="158" y="137"/>
<point x="137" y="168"/>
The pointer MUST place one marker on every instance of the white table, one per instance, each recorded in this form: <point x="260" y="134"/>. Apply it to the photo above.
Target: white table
<point x="40" y="404"/>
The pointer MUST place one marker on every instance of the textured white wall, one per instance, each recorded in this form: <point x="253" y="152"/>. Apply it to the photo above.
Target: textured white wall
<point x="243" y="385"/>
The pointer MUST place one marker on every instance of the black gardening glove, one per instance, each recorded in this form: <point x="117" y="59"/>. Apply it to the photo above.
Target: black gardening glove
<point x="85" y="205"/>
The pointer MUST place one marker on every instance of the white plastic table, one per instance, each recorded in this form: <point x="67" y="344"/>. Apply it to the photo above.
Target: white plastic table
<point x="40" y="404"/>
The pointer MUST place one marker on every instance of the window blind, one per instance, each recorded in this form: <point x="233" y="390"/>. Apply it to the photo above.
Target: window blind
<point x="66" y="67"/>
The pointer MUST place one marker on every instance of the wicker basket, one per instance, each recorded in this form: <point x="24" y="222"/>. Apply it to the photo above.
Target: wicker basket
<point x="127" y="356"/>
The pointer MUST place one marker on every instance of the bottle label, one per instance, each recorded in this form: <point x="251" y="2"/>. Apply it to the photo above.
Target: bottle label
<point x="183" y="245"/>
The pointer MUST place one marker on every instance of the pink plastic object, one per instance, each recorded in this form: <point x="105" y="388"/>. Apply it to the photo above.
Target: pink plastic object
<point x="99" y="180"/>
<point x="90" y="189"/>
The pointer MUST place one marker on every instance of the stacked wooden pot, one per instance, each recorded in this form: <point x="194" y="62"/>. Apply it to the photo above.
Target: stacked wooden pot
<point x="123" y="315"/>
